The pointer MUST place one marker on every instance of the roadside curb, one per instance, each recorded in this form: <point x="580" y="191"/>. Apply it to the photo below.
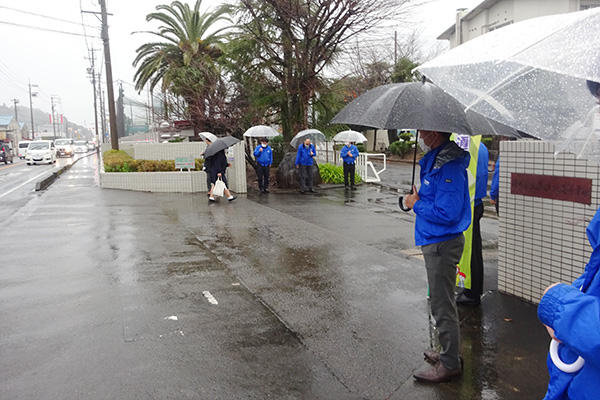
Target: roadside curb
<point x="49" y="180"/>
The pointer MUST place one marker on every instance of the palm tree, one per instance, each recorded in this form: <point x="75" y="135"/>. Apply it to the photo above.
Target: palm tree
<point x="185" y="61"/>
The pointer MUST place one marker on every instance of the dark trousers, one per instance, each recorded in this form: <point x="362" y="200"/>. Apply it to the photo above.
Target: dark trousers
<point x="440" y="262"/>
<point x="476" y="256"/>
<point x="262" y="172"/>
<point x="306" y="177"/>
<point x="349" y="169"/>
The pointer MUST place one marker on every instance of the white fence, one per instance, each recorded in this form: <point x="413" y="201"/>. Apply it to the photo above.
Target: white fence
<point x="364" y="165"/>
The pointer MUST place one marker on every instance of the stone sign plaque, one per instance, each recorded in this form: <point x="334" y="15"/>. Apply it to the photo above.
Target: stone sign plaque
<point x="576" y="190"/>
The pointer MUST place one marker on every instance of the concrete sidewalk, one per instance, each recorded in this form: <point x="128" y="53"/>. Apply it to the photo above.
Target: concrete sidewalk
<point x="113" y="294"/>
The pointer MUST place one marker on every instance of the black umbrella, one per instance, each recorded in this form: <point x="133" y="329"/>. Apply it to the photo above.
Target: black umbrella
<point x="220" y="144"/>
<point x="417" y="105"/>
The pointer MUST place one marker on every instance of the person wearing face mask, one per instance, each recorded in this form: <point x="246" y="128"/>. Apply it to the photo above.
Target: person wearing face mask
<point x="264" y="159"/>
<point x="304" y="162"/>
<point x="349" y="155"/>
<point x="443" y="209"/>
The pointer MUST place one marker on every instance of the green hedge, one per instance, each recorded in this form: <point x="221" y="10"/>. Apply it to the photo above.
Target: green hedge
<point x="119" y="161"/>
<point x="334" y="174"/>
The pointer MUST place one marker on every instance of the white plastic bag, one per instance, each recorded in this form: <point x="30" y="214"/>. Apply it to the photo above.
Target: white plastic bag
<point x="219" y="188"/>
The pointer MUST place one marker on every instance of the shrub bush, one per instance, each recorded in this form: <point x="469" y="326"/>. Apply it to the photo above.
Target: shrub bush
<point x="334" y="174"/>
<point x="401" y="148"/>
<point x="279" y="148"/>
<point x="119" y="161"/>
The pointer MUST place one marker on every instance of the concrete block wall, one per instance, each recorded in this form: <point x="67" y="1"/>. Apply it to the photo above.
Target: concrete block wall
<point x="542" y="240"/>
<point x="155" y="182"/>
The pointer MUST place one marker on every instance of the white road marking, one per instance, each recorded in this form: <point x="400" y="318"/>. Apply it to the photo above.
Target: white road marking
<point x="172" y="317"/>
<point x="22" y="184"/>
<point x="211" y="299"/>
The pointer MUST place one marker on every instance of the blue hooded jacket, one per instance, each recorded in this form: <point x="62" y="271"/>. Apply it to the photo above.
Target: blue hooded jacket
<point x="265" y="157"/>
<point x="573" y="311"/>
<point x="444" y="209"/>
<point x="483" y="157"/>
<point x="495" y="181"/>
<point x="303" y="156"/>
<point x="344" y="154"/>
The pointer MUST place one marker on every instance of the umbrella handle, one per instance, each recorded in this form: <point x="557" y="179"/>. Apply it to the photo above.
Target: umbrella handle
<point x="401" y="203"/>
<point x="568" y="368"/>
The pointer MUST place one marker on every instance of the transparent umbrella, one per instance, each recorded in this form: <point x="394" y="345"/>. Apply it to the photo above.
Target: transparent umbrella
<point x="314" y="135"/>
<point x="260" y="131"/>
<point x="532" y="75"/>
<point x="208" y="136"/>
<point x="350" y="136"/>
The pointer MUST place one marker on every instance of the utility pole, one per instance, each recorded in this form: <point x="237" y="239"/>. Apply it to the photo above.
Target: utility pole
<point x="109" y="79"/>
<point x="92" y="72"/>
<point x="53" y="117"/>
<point x="31" y="94"/>
<point x="102" y="111"/>
<point x="16" y="112"/>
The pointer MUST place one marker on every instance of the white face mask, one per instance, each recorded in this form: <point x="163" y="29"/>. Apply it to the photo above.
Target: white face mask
<point x="348" y="144"/>
<point x="263" y="144"/>
<point x="423" y="146"/>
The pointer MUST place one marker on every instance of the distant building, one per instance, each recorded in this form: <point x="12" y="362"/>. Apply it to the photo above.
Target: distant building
<point x="494" y="14"/>
<point x="9" y="129"/>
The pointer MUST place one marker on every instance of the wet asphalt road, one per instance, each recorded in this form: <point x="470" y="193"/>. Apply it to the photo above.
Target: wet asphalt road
<point x="111" y="294"/>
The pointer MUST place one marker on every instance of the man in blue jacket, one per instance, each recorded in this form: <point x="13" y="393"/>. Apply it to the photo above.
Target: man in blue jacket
<point x="571" y="314"/>
<point x="264" y="159"/>
<point x="349" y="154"/>
<point x="494" y="188"/>
<point x="472" y="297"/>
<point x="304" y="162"/>
<point x="443" y="209"/>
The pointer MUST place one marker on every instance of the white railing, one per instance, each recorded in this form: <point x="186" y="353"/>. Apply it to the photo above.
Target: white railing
<point x="364" y="166"/>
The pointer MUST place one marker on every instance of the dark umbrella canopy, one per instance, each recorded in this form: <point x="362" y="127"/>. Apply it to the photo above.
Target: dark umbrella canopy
<point x="416" y="105"/>
<point x="220" y="144"/>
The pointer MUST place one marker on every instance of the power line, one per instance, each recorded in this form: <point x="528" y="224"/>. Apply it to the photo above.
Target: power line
<point x="41" y="15"/>
<point x="44" y="29"/>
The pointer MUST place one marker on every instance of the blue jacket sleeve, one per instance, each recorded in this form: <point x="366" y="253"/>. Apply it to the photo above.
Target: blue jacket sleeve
<point x="575" y="318"/>
<point x="495" y="181"/>
<point x="314" y="150"/>
<point x="298" y="155"/>
<point x="447" y="207"/>
<point x="355" y="152"/>
<point x="257" y="151"/>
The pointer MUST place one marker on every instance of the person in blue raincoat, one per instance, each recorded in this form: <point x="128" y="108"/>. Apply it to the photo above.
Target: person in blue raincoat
<point x="443" y="209"/>
<point x="304" y="162"/>
<point x="349" y="155"/>
<point x="264" y="159"/>
<point x="571" y="314"/>
<point x="494" y="188"/>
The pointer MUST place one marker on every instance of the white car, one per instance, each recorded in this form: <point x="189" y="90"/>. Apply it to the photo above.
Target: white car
<point x="23" y="149"/>
<point x="91" y="146"/>
<point x="80" y="146"/>
<point x="40" y="152"/>
<point x="64" y="147"/>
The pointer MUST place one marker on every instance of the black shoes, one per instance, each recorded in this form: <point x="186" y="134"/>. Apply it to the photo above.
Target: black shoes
<point x="312" y="190"/>
<point x="464" y="300"/>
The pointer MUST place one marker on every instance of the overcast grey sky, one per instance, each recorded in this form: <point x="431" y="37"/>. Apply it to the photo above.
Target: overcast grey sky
<point x="56" y="61"/>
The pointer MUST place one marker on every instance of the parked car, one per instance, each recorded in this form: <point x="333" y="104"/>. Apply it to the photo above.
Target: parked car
<point x="91" y="146"/>
<point x="64" y="147"/>
<point x="6" y="153"/>
<point x="22" y="148"/>
<point x="41" y="151"/>
<point x="80" y="146"/>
